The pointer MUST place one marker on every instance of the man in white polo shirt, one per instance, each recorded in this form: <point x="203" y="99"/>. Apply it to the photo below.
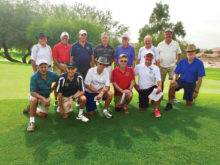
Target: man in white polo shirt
<point x="148" y="74"/>
<point x="41" y="51"/>
<point x="98" y="85"/>
<point x="170" y="55"/>
<point x="148" y="47"/>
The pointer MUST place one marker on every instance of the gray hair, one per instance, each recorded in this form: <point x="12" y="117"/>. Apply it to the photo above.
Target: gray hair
<point x="104" y="33"/>
<point x="147" y="36"/>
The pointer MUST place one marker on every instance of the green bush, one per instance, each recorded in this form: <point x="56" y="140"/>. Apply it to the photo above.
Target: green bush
<point x="209" y="51"/>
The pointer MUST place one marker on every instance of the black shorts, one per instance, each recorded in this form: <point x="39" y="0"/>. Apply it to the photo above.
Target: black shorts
<point x="189" y="88"/>
<point x="143" y="96"/>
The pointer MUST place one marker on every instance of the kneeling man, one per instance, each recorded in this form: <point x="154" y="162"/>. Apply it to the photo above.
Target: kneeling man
<point x="40" y="89"/>
<point x="148" y="73"/>
<point x="122" y="78"/>
<point x="97" y="85"/>
<point x="191" y="70"/>
<point x="70" y="87"/>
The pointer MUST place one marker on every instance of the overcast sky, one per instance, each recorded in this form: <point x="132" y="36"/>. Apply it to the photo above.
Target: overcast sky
<point x="201" y="19"/>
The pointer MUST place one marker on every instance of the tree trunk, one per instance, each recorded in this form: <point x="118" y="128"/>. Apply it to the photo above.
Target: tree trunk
<point x="27" y="54"/>
<point x="7" y="56"/>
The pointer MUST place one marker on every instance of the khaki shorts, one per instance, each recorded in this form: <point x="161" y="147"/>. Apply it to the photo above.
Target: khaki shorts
<point x="40" y="106"/>
<point x="65" y="103"/>
<point x="164" y="71"/>
<point x="58" y="70"/>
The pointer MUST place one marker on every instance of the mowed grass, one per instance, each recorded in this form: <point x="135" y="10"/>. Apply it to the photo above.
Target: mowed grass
<point x="185" y="135"/>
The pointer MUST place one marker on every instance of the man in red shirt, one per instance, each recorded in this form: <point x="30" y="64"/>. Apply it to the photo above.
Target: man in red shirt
<point x="122" y="78"/>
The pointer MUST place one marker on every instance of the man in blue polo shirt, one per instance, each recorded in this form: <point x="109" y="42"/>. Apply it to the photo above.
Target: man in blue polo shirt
<point x="40" y="89"/>
<point x="82" y="53"/>
<point x="127" y="49"/>
<point x="191" y="71"/>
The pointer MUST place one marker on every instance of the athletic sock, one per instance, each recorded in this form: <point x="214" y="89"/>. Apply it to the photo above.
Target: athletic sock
<point x="80" y="112"/>
<point x="105" y="110"/>
<point x="32" y="120"/>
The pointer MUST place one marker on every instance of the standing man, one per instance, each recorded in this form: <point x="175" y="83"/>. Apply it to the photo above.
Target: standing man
<point x="41" y="51"/>
<point x="168" y="50"/>
<point x="98" y="85"/>
<point x="191" y="70"/>
<point x="40" y="89"/>
<point x="105" y="50"/>
<point x="70" y="87"/>
<point x="82" y="53"/>
<point x="122" y="79"/>
<point x="148" y="74"/>
<point x="127" y="49"/>
<point x="148" y="47"/>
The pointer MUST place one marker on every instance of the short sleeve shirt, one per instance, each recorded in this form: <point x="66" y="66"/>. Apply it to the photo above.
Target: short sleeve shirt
<point x="147" y="76"/>
<point x="108" y="52"/>
<point x="168" y="53"/>
<point x="97" y="81"/>
<point x="61" y="53"/>
<point x="142" y="52"/>
<point x="69" y="88"/>
<point x="122" y="79"/>
<point x="129" y="51"/>
<point x="41" y="86"/>
<point x="190" y="72"/>
<point x="39" y="52"/>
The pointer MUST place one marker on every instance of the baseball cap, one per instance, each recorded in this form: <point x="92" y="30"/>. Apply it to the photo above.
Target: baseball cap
<point x="41" y="35"/>
<point x="41" y="61"/>
<point x="123" y="55"/>
<point x="168" y="30"/>
<point x="71" y="65"/>
<point x="149" y="52"/>
<point x="82" y="31"/>
<point x="64" y="34"/>
<point x="125" y="36"/>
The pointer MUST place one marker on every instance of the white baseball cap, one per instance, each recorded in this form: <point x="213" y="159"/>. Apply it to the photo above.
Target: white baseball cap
<point x="41" y="61"/>
<point x="125" y="36"/>
<point x="82" y="31"/>
<point x="64" y="34"/>
<point x="149" y="52"/>
<point x="168" y="30"/>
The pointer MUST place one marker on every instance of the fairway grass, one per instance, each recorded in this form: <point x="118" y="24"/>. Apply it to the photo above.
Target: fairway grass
<point x="184" y="135"/>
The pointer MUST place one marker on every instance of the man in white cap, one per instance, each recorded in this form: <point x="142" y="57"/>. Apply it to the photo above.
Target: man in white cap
<point x="40" y="89"/>
<point x="127" y="49"/>
<point x="148" y="74"/>
<point x="82" y="53"/>
<point x="170" y="55"/>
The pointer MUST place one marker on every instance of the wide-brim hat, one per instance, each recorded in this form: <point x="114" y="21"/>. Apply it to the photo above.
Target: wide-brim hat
<point x="71" y="65"/>
<point x="102" y="60"/>
<point x="41" y="35"/>
<point x="191" y="48"/>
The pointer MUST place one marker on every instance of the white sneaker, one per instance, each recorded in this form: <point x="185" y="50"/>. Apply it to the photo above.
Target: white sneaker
<point x="175" y="100"/>
<point x="31" y="127"/>
<point x="82" y="118"/>
<point x="107" y="114"/>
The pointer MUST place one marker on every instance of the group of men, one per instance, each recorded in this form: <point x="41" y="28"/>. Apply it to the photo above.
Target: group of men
<point x="76" y="78"/>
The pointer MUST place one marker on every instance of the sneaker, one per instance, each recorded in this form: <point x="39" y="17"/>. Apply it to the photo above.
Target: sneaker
<point x="175" y="100"/>
<point x="168" y="107"/>
<point x="30" y="127"/>
<point x="157" y="113"/>
<point x="107" y="114"/>
<point x="82" y="118"/>
<point x="55" y="103"/>
<point x="27" y="109"/>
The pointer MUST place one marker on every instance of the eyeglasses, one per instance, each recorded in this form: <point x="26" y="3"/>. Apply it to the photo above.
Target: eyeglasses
<point x="123" y="61"/>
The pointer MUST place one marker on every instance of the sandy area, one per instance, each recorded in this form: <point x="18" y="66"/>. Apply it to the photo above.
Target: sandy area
<point x="210" y="60"/>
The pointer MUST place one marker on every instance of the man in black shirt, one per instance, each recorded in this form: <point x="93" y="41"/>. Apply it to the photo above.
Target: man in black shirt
<point x="70" y="87"/>
<point x="104" y="49"/>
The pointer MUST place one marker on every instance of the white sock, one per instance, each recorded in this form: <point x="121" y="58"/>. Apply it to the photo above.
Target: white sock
<point x="32" y="120"/>
<point x="80" y="112"/>
<point x="105" y="110"/>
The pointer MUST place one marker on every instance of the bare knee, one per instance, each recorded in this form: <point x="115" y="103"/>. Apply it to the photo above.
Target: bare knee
<point x="109" y="94"/>
<point x="83" y="99"/>
<point x="34" y="100"/>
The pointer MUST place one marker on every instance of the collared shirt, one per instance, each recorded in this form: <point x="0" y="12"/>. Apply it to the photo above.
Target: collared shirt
<point x="122" y="79"/>
<point x="39" y="52"/>
<point x="69" y="88"/>
<point x="190" y="72"/>
<point x="129" y="51"/>
<point x="108" y="52"/>
<point x="61" y="53"/>
<point x="97" y="81"/>
<point x="82" y="55"/>
<point x="41" y="86"/>
<point x="147" y="76"/>
<point x="168" y="53"/>
<point x="142" y="52"/>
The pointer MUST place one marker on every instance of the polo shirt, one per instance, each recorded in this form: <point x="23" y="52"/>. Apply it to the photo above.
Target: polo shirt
<point x="107" y="52"/>
<point x="123" y="79"/>
<point x="147" y="75"/>
<point x="190" y="72"/>
<point x="69" y="88"/>
<point x="41" y="53"/>
<point x="142" y="53"/>
<point x="41" y="86"/>
<point x="97" y="81"/>
<point x="168" y="53"/>
<point x="82" y="55"/>
<point x="61" y="53"/>
<point x="129" y="51"/>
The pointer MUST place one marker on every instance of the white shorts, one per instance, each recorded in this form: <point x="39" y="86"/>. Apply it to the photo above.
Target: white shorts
<point x="40" y="106"/>
<point x="65" y="103"/>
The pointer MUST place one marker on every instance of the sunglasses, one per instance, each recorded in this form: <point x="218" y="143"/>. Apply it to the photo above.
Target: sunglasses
<point x="123" y="61"/>
<point x="102" y="64"/>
